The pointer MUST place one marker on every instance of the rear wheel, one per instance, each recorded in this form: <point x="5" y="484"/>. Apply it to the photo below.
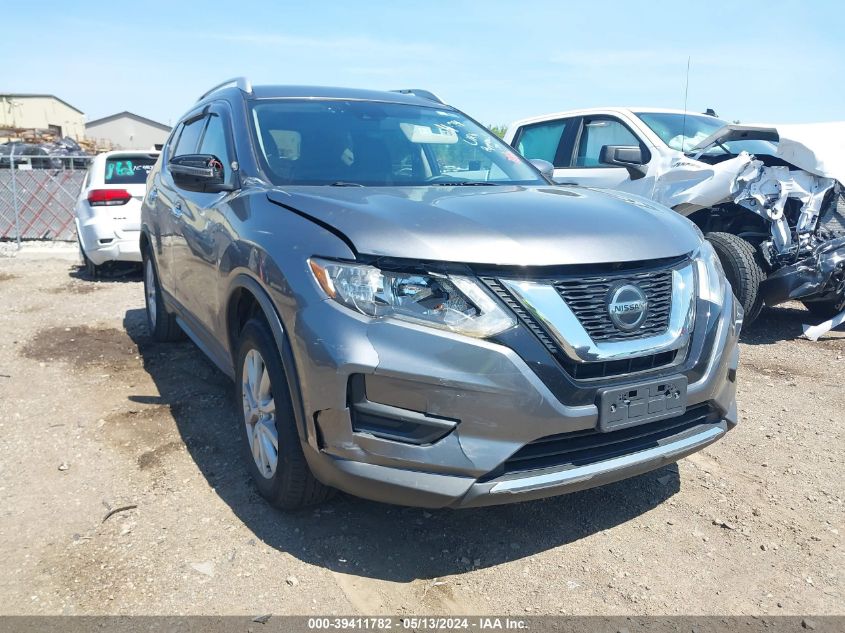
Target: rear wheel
<point x="162" y="325"/>
<point x="92" y="270"/>
<point x="742" y="268"/>
<point x="271" y="440"/>
<point x="824" y="310"/>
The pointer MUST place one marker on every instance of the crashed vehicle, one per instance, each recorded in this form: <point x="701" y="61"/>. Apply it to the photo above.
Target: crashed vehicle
<point x="66" y="152"/>
<point x="34" y="156"/>
<point x="769" y="199"/>
<point x="63" y="153"/>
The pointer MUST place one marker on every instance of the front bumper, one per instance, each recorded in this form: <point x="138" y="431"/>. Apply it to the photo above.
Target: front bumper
<point x="821" y="273"/>
<point x="496" y="400"/>
<point x="433" y="490"/>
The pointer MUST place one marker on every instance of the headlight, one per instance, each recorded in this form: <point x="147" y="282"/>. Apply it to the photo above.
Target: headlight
<point x="712" y="284"/>
<point x="453" y="303"/>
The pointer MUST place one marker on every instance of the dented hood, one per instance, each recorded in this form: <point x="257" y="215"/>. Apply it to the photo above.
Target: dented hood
<point x="508" y="225"/>
<point x="817" y="148"/>
<point x="736" y="132"/>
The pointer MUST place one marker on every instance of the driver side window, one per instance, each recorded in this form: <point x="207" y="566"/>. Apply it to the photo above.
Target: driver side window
<point x="189" y="136"/>
<point x="214" y="142"/>
<point x="598" y="132"/>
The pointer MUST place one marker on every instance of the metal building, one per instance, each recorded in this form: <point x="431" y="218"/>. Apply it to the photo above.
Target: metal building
<point x="42" y="112"/>
<point x="126" y="130"/>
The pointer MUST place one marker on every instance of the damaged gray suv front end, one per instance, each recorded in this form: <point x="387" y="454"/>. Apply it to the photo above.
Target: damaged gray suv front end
<point x="451" y="330"/>
<point x="542" y="392"/>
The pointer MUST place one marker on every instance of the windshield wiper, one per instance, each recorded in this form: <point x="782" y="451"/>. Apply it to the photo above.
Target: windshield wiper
<point x="466" y="183"/>
<point x="341" y="183"/>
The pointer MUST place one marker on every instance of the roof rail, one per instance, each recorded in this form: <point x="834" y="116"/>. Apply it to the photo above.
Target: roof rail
<point x="241" y="82"/>
<point x="419" y="92"/>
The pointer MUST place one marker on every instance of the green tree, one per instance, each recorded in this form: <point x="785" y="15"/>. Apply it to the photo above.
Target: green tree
<point x="498" y="130"/>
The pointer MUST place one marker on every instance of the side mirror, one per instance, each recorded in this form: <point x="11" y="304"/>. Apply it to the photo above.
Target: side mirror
<point x="198" y="172"/>
<point x="628" y="156"/>
<point x="544" y="166"/>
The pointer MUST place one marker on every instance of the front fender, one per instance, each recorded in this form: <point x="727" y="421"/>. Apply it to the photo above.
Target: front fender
<point x="243" y="281"/>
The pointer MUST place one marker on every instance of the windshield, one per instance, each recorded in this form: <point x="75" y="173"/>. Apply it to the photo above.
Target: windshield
<point x="348" y="143"/>
<point x="683" y="132"/>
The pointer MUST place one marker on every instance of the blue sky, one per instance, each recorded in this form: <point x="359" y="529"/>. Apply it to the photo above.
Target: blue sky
<point x="498" y="61"/>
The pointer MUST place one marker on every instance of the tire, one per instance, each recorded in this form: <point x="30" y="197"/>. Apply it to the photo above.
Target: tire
<point x="743" y="269"/>
<point x="161" y="324"/>
<point x="824" y="310"/>
<point x="92" y="270"/>
<point x="289" y="484"/>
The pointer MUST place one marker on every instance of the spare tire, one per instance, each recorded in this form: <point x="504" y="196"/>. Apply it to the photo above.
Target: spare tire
<point x="743" y="269"/>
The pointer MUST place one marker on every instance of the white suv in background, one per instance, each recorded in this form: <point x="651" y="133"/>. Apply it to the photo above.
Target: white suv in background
<point x="108" y="211"/>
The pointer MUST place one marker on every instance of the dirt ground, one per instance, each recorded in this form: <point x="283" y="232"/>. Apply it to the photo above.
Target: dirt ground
<point x="96" y="418"/>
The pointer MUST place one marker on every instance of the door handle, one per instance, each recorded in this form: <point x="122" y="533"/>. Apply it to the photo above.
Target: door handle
<point x="176" y="210"/>
<point x="569" y="184"/>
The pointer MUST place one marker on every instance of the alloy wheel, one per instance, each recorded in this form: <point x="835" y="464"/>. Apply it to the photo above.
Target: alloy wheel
<point x="260" y="414"/>
<point x="150" y="291"/>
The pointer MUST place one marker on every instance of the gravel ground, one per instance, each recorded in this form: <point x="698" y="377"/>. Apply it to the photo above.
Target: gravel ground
<point x="95" y="419"/>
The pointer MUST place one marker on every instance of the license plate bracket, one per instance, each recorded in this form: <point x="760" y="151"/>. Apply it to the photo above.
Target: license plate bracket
<point x="638" y="403"/>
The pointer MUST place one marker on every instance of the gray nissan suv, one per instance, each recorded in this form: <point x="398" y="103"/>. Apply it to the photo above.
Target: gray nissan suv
<point x="412" y="313"/>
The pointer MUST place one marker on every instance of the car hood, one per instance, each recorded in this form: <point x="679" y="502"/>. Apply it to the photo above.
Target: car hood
<point x="507" y="225"/>
<point x="736" y="132"/>
<point x="817" y="148"/>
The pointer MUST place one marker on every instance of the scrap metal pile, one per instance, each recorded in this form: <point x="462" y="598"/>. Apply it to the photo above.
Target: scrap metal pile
<point x="41" y="149"/>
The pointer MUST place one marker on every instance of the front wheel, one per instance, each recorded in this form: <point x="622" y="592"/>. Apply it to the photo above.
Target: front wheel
<point x="271" y="440"/>
<point x="743" y="269"/>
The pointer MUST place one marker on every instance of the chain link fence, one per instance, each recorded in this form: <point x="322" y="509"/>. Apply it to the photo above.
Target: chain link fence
<point x="38" y="195"/>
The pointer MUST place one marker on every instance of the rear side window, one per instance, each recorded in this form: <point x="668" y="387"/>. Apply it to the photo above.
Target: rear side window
<point x="128" y="170"/>
<point x="542" y="140"/>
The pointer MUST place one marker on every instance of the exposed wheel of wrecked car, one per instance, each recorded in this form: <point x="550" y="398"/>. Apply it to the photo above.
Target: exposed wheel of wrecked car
<point x="742" y="268"/>
<point x="271" y="440"/>
<point x="162" y="325"/>
<point x="827" y="309"/>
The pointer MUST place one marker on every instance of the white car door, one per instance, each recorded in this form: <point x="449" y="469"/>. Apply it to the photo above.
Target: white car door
<point x="588" y="170"/>
<point x="574" y="146"/>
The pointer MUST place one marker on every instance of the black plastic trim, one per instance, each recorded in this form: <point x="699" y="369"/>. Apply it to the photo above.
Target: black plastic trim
<point x="570" y="450"/>
<point x="394" y="423"/>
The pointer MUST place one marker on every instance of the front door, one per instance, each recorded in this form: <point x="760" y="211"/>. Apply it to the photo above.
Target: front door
<point x="201" y="228"/>
<point x="174" y="203"/>
<point x="587" y="169"/>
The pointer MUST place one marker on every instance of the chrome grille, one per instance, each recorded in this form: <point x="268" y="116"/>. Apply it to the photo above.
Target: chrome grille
<point x="587" y="298"/>
<point x="579" y="371"/>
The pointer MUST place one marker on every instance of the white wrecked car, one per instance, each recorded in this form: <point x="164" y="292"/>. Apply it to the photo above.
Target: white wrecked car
<point x="770" y="199"/>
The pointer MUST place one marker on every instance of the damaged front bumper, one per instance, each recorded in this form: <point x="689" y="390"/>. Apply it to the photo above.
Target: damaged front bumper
<point x="820" y="274"/>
